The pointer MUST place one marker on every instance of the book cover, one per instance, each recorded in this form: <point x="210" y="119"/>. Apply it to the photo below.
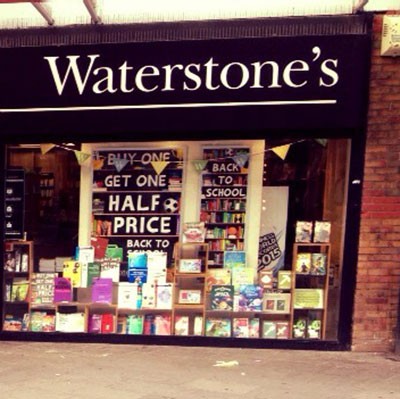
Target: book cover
<point x="218" y="327"/>
<point x="94" y="326"/>
<point x="12" y="323"/>
<point x="282" y="330"/>
<point x="164" y="296"/>
<point x="107" y="323"/>
<point x="250" y="297"/>
<point x="221" y="297"/>
<point x="254" y="327"/>
<point x="148" y="296"/>
<point x="72" y="270"/>
<point x="135" y="324"/>
<point x="93" y="270"/>
<point x="276" y="302"/>
<point x="138" y="276"/>
<point x="314" y="329"/>
<point x="36" y="321"/>
<point x="304" y="230"/>
<point x="299" y="327"/>
<point x="19" y="290"/>
<point x="240" y="327"/>
<point x="62" y="289"/>
<point x="181" y="325"/>
<point x="157" y="267"/>
<point x="137" y="260"/>
<point x="9" y="261"/>
<point x="322" y="231"/>
<point x="122" y="324"/>
<point x="318" y="264"/>
<point x="234" y="259"/>
<point x="308" y="298"/>
<point x="198" y="325"/>
<point x="189" y="297"/>
<point x="193" y="232"/>
<point x="110" y="268"/>
<point x="189" y="265"/>
<point x="84" y="255"/>
<point x="148" y="324"/>
<point x="102" y="290"/>
<point x="42" y="288"/>
<point x="162" y="325"/>
<point x="303" y="263"/>
<point x="266" y="279"/>
<point x="70" y="322"/>
<point x="242" y="276"/>
<point x="284" y="279"/>
<point x="269" y="329"/>
<point x="217" y="277"/>
<point x="127" y="295"/>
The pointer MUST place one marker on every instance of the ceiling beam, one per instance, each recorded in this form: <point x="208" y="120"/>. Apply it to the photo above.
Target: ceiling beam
<point x="44" y="11"/>
<point x="91" y="7"/>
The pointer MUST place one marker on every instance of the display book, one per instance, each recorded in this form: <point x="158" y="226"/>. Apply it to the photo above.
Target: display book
<point x="244" y="303"/>
<point x="310" y="265"/>
<point x="223" y="200"/>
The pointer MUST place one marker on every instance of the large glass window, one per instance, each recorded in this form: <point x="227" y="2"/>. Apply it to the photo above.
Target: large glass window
<point x="239" y="238"/>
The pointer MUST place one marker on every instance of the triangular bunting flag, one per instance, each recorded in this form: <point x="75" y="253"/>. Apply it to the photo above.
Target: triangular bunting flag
<point x="281" y="150"/>
<point x="81" y="156"/>
<point x="323" y="142"/>
<point x="200" y="164"/>
<point x="240" y="159"/>
<point x="45" y="148"/>
<point x="159" y="166"/>
<point x="120" y="163"/>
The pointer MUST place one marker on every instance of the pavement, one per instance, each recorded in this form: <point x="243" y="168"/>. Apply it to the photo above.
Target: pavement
<point x="107" y="371"/>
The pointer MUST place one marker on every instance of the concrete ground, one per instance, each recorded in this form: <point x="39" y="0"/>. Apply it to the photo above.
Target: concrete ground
<point x="106" y="371"/>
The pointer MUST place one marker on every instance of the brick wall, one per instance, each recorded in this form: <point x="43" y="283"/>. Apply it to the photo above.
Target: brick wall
<point x="378" y="278"/>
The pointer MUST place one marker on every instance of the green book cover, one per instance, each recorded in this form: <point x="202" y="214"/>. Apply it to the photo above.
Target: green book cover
<point x="93" y="271"/>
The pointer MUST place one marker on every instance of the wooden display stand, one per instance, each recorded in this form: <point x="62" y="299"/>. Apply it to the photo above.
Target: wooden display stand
<point x="191" y="265"/>
<point x="310" y="290"/>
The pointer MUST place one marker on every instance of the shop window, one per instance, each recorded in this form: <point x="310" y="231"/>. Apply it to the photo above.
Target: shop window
<point x="182" y="238"/>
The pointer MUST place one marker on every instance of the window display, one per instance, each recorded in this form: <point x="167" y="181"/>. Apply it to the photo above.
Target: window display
<point x="235" y="239"/>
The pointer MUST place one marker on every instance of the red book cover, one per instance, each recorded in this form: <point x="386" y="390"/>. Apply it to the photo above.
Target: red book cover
<point x="107" y="323"/>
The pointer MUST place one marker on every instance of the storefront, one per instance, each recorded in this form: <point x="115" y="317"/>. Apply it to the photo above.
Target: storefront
<point x="185" y="183"/>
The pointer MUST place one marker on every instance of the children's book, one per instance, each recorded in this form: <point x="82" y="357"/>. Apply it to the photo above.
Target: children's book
<point x="314" y="329"/>
<point x="135" y="324"/>
<point x="282" y="330"/>
<point x="303" y="263"/>
<point x="299" y="327"/>
<point x="127" y="295"/>
<point x="164" y="296"/>
<point x="102" y="290"/>
<point x="254" y="327"/>
<point x="234" y="259"/>
<point x="218" y="327"/>
<point x="304" y="230"/>
<point x="240" y="327"/>
<point x="276" y="302"/>
<point x="221" y="297"/>
<point x="93" y="270"/>
<point x="250" y="297"/>
<point x="148" y="296"/>
<point x="198" y="325"/>
<point x="193" y="232"/>
<point x="322" y="231"/>
<point x="266" y="279"/>
<point x="19" y="290"/>
<point x="217" y="277"/>
<point x="110" y="268"/>
<point x="162" y="325"/>
<point x="107" y="323"/>
<point x="242" y="276"/>
<point x="157" y="267"/>
<point x="318" y="264"/>
<point x="72" y="270"/>
<point x="95" y="323"/>
<point x="70" y="322"/>
<point x="269" y="329"/>
<point x="284" y="279"/>
<point x="62" y="289"/>
<point x="84" y="255"/>
<point x="181" y="325"/>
